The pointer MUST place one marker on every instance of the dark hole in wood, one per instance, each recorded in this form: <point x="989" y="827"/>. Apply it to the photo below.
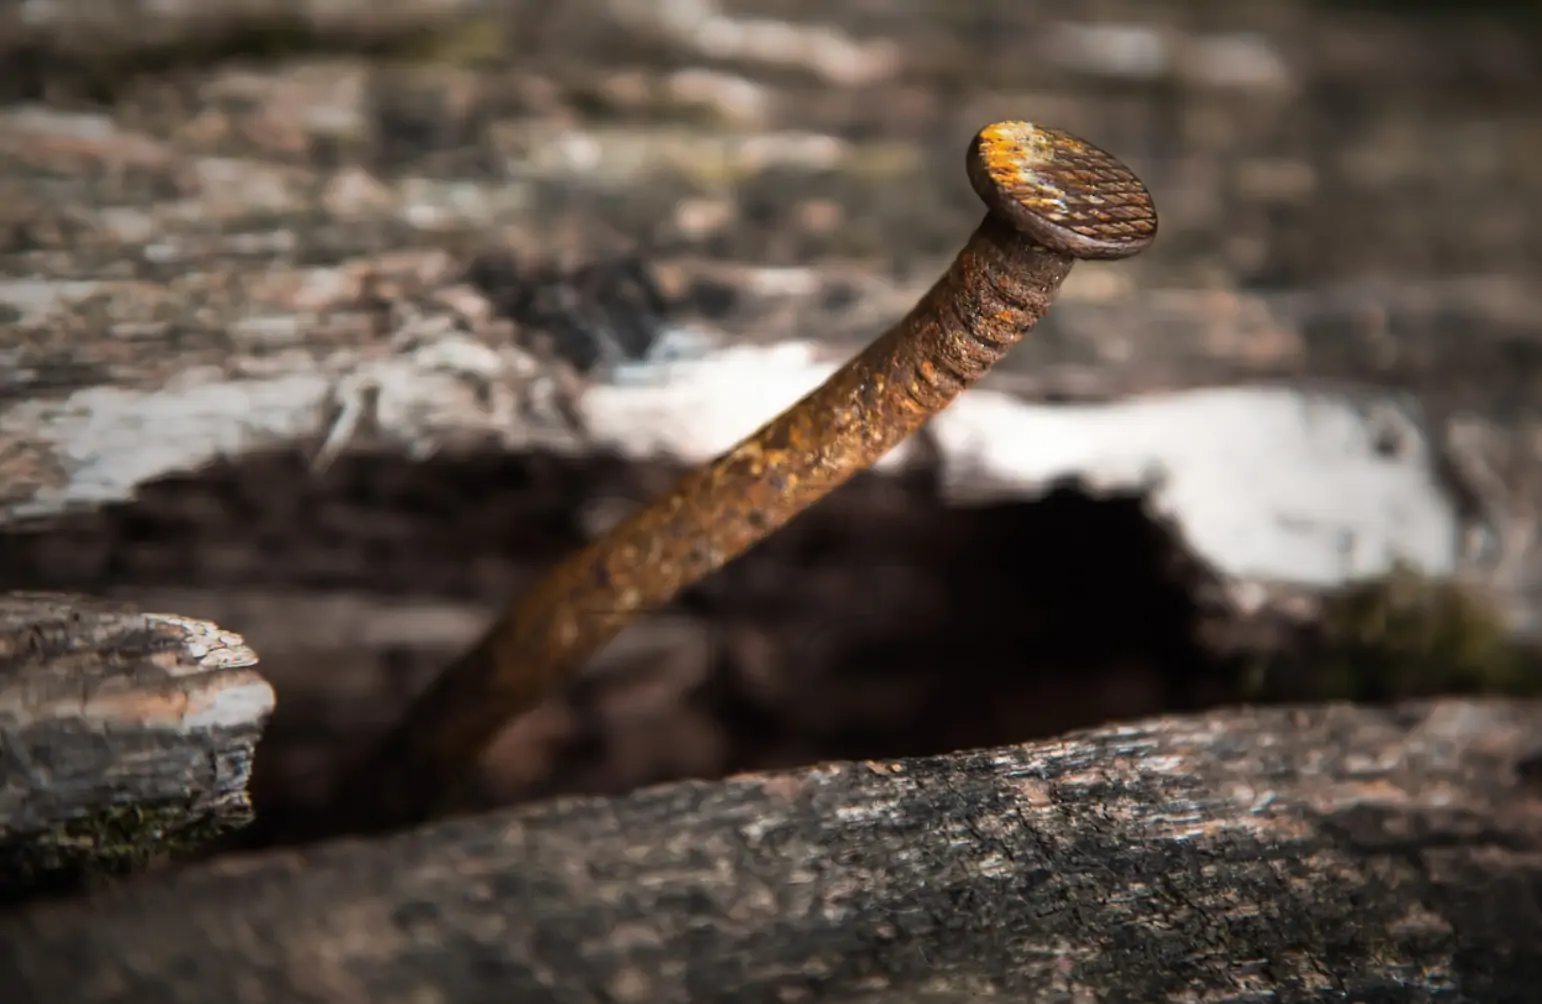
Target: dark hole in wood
<point x="881" y="623"/>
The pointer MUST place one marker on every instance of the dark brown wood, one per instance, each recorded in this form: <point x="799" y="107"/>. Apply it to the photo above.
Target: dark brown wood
<point x="124" y="735"/>
<point x="1291" y="855"/>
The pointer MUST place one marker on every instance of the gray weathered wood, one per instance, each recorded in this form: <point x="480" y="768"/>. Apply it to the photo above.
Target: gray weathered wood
<point x="90" y="29"/>
<point x="123" y="734"/>
<point x="273" y="258"/>
<point x="1285" y="855"/>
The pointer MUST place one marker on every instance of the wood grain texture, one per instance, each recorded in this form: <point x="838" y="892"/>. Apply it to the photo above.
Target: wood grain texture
<point x="1286" y="855"/>
<point x="237" y="256"/>
<point x="123" y="734"/>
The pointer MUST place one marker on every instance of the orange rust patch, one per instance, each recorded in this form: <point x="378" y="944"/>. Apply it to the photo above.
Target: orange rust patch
<point x="1010" y="148"/>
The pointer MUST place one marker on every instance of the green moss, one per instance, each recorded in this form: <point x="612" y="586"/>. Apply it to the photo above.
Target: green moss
<point x="470" y="41"/>
<point x="1408" y="635"/>
<point x="115" y="842"/>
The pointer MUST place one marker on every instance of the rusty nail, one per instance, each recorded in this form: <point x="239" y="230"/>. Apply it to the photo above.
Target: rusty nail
<point x="1051" y="199"/>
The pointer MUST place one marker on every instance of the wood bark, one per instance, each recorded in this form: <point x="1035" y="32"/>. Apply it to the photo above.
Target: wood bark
<point x="1332" y="853"/>
<point x="123" y="735"/>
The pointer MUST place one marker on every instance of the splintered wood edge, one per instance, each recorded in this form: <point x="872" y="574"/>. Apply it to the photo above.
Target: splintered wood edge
<point x="1302" y="449"/>
<point x="104" y="707"/>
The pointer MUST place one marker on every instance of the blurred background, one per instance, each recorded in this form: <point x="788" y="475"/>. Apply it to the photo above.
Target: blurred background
<point x="1349" y="193"/>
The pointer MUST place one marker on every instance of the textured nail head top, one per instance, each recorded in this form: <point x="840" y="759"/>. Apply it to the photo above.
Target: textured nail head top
<point x="1062" y="192"/>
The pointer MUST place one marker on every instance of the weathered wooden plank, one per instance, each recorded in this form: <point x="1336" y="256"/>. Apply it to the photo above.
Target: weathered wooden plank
<point x="1326" y="366"/>
<point x="255" y="256"/>
<point x="1293" y="855"/>
<point x="124" y="736"/>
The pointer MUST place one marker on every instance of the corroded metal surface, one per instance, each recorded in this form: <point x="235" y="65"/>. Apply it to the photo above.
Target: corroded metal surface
<point x="1065" y="192"/>
<point x="996" y="290"/>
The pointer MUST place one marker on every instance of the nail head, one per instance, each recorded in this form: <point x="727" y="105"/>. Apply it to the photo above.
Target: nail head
<point x="1061" y="191"/>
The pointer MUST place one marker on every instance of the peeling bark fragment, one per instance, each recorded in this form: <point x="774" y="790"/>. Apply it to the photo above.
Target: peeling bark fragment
<point x="124" y="737"/>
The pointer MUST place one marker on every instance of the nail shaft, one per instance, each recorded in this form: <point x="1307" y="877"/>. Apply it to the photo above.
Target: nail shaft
<point x="995" y="290"/>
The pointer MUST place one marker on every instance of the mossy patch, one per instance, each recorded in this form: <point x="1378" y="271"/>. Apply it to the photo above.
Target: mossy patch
<point x="115" y="842"/>
<point x="468" y="41"/>
<point x="1409" y="635"/>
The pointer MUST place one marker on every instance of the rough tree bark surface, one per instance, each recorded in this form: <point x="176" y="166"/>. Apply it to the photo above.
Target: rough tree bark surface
<point x="123" y="735"/>
<point x="1286" y="855"/>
